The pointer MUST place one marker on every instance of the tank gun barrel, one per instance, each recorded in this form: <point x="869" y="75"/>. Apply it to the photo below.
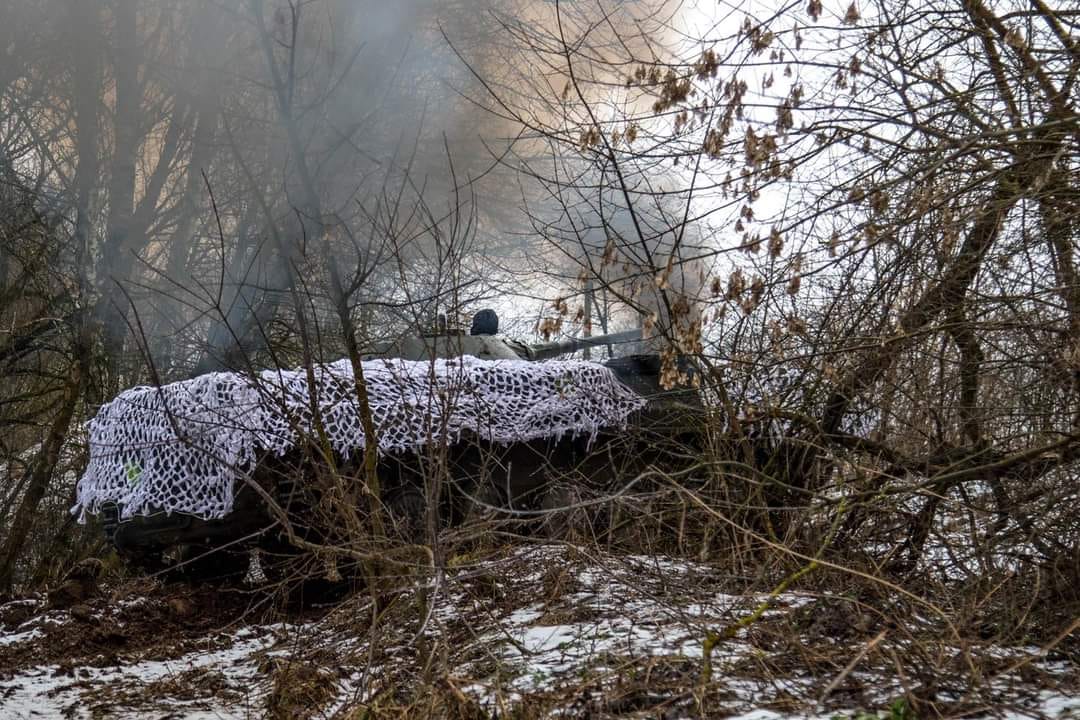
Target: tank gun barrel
<point x="550" y="350"/>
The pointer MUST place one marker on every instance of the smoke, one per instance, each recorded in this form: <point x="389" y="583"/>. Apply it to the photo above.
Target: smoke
<point x="213" y="160"/>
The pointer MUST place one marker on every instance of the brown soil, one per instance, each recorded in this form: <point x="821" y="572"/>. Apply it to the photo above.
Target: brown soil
<point x="138" y="618"/>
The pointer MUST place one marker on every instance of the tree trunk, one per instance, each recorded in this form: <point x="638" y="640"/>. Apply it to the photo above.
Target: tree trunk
<point x="116" y="261"/>
<point x="946" y="293"/>
<point x="39" y="475"/>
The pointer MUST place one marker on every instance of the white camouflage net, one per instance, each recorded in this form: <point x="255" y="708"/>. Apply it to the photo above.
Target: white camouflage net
<point x="182" y="447"/>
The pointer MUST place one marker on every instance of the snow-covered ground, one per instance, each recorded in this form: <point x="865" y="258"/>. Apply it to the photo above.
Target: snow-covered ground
<point x="557" y="629"/>
<point x="140" y="686"/>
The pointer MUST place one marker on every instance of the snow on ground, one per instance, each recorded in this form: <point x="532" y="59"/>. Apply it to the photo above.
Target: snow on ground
<point x="565" y="631"/>
<point x="228" y="670"/>
<point x="606" y="616"/>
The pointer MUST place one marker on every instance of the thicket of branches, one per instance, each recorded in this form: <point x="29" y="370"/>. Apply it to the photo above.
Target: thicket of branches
<point x="875" y="209"/>
<point x="859" y="222"/>
<point x="188" y="187"/>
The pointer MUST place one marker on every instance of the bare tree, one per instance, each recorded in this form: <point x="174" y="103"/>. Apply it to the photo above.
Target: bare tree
<point x="883" y="200"/>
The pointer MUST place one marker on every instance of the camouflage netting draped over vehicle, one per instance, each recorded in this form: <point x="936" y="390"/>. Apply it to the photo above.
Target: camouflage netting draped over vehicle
<point x="182" y="447"/>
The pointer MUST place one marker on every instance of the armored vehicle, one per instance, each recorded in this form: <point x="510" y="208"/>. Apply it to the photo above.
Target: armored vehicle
<point x="465" y="424"/>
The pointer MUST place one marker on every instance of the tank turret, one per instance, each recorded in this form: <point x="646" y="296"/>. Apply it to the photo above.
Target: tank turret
<point x="484" y="342"/>
<point x="671" y="410"/>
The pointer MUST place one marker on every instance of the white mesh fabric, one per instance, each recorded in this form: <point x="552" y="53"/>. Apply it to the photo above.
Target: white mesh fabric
<point x="182" y="447"/>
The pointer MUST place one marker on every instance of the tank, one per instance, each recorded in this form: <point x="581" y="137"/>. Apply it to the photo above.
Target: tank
<point x="532" y="484"/>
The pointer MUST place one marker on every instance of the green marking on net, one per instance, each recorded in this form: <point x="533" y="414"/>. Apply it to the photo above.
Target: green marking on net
<point x="133" y="472"/>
